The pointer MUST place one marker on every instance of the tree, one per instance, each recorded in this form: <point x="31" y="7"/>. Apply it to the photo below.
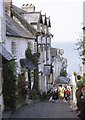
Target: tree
<point x="81" y="48"/>
<point x="63" y="72"/>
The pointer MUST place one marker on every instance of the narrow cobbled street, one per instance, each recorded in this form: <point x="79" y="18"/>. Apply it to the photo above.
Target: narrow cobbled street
<point x="46" y="109"/>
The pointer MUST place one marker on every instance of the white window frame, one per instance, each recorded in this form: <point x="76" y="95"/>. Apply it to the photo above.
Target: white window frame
<point x="13" y="44"/>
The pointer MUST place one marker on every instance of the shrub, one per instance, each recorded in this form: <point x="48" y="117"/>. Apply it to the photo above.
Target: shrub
<point x="9" y="84"/>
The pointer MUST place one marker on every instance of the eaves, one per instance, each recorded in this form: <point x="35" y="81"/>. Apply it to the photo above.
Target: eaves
<point x="20" y="37"/>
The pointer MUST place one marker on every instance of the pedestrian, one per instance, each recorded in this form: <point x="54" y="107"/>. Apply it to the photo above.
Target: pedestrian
<point x="68" y="94"/>
<point x="82" y="111"/>
<point x="61" y="92"/>
<point x="50" y="94"/>
<point x="79" y="92"/>
<point x="65" y="93"/>
<point x="55" y="94"/>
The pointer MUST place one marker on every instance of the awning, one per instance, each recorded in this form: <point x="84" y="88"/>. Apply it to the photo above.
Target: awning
<point x="27" y="63"/>
<point x="5" y="54"/>
<point x="62" y="80"/>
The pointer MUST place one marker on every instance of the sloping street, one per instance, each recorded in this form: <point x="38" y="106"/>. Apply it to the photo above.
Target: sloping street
<point x="45" y="109"/>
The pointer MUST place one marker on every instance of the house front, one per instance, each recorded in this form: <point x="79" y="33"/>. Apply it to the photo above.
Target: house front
<point x="17" y="42"/>
<point x="2" y="38"/>
<point x="84" y="30"/>
<point x="42" y="25"/>
<point x="58" y="62"/>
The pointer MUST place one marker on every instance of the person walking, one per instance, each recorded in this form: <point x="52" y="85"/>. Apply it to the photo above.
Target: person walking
<point x="79" y="92"/>
<point x="61" y="92"/>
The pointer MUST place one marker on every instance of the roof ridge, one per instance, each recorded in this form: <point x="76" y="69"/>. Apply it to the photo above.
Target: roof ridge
<point x="26" y="33"/>
<point x="24" y="22"/>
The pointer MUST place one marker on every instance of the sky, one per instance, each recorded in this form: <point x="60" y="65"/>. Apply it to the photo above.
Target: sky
<point x="66" y="24"/>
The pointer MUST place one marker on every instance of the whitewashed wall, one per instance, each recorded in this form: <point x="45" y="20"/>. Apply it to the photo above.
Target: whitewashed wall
<point x="2" y="39"/>
<point x="21" y="46"/>
<point x="2" y="21"/>
<point x="84" y="29"/>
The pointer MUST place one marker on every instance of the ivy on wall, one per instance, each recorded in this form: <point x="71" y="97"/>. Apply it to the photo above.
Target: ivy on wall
<point x="22" y="91"/>
<point x="9" y="85"/>
<point x="63" y="73"/>
<point x="34" y="58"/>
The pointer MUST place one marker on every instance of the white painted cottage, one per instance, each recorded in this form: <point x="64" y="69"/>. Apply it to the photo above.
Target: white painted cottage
<point x="1" y="41"/>
<point x="19" y="37"/>
<point x="43" y="25"/>
<point x="58" y="61"/>
<point x="5" y="56"/>
<point x="84" y="29"/>
<point x="39" y="27"/>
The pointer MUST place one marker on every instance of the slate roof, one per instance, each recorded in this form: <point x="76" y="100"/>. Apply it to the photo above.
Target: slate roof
<point x="27" y="63"/>
<point x="19" y="10"/>
<point x="23" y="21"/>
<point x="48" y="22"/>
<point x="44" y="19"/>
<point x="32" y="17"/>
<point x="4" y="53"/>
<point x="14" y="29"/>
<point x="28" y="19"/>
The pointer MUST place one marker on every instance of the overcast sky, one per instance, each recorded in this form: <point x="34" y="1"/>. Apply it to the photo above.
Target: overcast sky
<point x="66" y="20"/>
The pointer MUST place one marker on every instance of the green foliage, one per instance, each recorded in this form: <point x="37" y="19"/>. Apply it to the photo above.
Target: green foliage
<point x="35" y="95"/>
<point x="75" y="74"/>
<point x="9" y="84"/>
<point x="44" y="96"/>
<point x="34" y="58"/>
<point x="63" y="73"/>
<point x="81" y="48"/>
<point x="83" y="80"/>
<point x="28" y="54"/>
<point x="36" y="81"/>
<point x="22" y="90"/>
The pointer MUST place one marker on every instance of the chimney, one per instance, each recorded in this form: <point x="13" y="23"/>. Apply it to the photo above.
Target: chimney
<point x="28" y="8"/>
<point x="8" y="6"/>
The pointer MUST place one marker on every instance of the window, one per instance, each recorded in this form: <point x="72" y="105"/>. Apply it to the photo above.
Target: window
<point x="14" y="48"/>
<point x="35" y="47"/>
<point x="43" y="53"/>
<point x="47" y="52"/>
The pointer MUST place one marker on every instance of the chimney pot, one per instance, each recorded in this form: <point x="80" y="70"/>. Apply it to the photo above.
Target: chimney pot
<point x="27" y="4"/>
<point x="8" y="6"/>
<point x="29" y="8"/>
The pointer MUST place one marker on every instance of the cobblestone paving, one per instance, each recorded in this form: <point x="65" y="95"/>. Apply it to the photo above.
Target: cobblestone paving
<point x="47" y="109"/>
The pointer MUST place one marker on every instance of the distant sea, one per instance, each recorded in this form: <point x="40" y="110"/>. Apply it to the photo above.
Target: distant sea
<point x="71" y="54"/>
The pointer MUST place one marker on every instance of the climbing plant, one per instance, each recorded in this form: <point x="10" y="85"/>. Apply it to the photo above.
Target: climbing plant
<point x="34" y="58"/>
<point x="22" y="90"/>
<point x="63" y="72"/>
<point x="9" y="85"/>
